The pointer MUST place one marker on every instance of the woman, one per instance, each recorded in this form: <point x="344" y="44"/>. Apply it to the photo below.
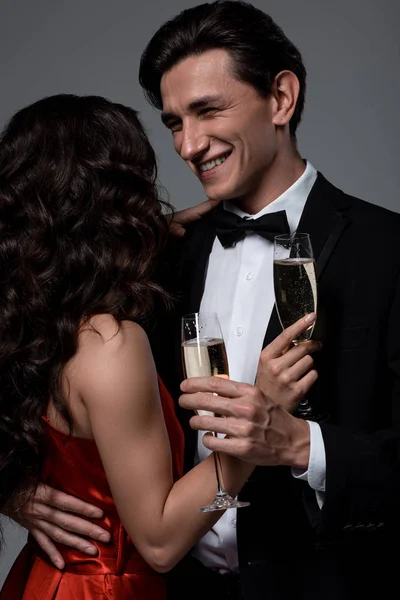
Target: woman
<point x="81" y="406"/>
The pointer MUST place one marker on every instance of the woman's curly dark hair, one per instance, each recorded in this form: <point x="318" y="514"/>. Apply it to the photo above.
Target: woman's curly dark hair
<point x="81" y="227"/>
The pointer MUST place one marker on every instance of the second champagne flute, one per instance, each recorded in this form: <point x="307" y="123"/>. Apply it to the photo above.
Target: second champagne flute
<point x="204" y="355"/>
<point x="295" y="285"/>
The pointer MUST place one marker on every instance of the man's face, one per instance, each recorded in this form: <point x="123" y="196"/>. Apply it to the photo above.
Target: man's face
<point x="221" y="127"/>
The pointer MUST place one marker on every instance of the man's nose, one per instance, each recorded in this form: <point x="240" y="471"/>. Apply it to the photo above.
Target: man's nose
<point x="194" y="142"/>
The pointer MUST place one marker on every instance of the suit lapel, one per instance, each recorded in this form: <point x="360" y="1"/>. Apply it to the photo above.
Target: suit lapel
<point x="325" y="220"/>
<point x="196" y="258"/>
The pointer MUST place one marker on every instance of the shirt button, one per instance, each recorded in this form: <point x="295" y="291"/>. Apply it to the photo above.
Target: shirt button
<point x="233" y="523"/>
<point x="249" y="276"/>
<point x="239" y="331"/>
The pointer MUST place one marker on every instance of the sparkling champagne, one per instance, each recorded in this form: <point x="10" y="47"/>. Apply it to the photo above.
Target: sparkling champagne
<point x="295" y="291"/>
<point x="205" y="358"/>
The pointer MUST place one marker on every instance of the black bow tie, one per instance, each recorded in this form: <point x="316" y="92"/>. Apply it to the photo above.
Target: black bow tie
<point x="231" y="228"/>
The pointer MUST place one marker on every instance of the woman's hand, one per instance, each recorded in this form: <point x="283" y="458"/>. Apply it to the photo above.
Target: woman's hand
<point x="188" y="215"/>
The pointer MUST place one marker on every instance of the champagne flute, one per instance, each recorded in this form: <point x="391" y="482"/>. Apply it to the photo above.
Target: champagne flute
<point x="295" y="284"/>
<point x="204" y="355"/>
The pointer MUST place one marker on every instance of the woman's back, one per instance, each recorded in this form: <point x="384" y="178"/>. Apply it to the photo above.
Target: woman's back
<point x="73" y="464"/>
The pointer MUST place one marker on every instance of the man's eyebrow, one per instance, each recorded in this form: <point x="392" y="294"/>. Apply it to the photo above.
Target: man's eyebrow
<point x="202" y="102"/>
<point x="166" y="117"/>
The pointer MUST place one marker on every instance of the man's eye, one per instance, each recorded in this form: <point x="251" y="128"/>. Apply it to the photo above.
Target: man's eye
<point x="207" y="111"/>
<point x="174" y="127"/>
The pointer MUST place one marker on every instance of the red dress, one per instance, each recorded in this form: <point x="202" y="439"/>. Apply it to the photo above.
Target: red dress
<point x="118" y="572"/>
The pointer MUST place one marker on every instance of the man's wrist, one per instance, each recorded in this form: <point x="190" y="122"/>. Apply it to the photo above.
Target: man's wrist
<point x="297" y="454"/>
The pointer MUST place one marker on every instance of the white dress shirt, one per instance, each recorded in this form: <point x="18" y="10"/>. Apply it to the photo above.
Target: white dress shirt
<point x="239" y="288"/>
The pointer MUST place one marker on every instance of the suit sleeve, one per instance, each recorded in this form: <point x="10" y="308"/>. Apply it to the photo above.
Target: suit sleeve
<point x="363" y="468"/>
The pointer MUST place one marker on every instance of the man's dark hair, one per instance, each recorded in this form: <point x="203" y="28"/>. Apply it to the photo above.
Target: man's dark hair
<point x="257" y="45"/>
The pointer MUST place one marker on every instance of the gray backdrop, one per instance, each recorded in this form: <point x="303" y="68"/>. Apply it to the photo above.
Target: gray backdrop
<point x="351" y="49"/>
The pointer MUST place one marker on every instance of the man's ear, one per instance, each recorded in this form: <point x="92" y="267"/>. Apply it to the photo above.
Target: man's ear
<point x="285" y="90"/>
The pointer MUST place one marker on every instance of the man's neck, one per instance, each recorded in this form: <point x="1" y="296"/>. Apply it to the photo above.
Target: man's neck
<point x="282" y="174"/>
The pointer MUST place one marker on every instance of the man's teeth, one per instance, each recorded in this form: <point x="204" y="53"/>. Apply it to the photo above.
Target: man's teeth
<point x="213" y="163"/>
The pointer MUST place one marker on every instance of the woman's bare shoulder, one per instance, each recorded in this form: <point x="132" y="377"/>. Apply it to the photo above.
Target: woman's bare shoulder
<point x="101" y="329"/>
<point x="109" y="350"/>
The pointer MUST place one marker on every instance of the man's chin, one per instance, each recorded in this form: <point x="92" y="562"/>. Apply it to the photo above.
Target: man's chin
<point x="219" y="195"/>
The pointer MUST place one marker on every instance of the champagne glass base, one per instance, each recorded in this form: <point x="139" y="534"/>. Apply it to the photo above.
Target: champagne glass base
<point x="223" y="501"/>
<point x="307" y="412"/>
<point x="304" y="411"/>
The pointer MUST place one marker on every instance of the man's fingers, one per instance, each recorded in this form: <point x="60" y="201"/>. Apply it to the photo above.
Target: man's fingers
<point x="281" y="343"/>
<point x="301" y="367"/>
<point x="60" y="536"/>
<point x="290" y="358"/>
<point x="48" y="548"/>
<point x="69" y="522"/>
<point x="206" y="401"/>
<point x="233" y="446"/>
<point x="307" y="381"/>
<point x="67" y="503"/>
<point x="214" y="385"/>
<point x="214" y="424"/>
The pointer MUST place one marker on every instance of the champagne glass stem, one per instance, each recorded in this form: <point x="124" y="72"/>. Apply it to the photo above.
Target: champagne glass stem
<point x="218" y="472"/>
<point x="304" y="409"/>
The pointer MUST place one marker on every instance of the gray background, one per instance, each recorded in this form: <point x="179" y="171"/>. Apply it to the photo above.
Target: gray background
<point x="351" y="50"/>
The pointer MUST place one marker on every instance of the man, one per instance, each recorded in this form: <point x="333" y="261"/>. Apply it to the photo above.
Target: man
<point x="325" y="498"/>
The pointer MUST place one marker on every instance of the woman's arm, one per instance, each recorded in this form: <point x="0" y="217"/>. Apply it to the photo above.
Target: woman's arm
<point x="118" y="383"/>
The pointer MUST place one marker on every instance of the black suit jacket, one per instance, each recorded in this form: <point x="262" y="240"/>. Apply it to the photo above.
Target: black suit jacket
<point x="288" y="547"/>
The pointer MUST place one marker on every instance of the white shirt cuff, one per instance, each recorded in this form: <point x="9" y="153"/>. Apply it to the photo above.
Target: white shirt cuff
<point x="315" y="475"/>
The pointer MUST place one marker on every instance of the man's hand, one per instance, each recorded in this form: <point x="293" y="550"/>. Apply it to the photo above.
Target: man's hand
<point x="49" y="518"/>
<point x="188" y="215"/>
<point x="258" y="430"/>
<point x="285" y="372"/>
